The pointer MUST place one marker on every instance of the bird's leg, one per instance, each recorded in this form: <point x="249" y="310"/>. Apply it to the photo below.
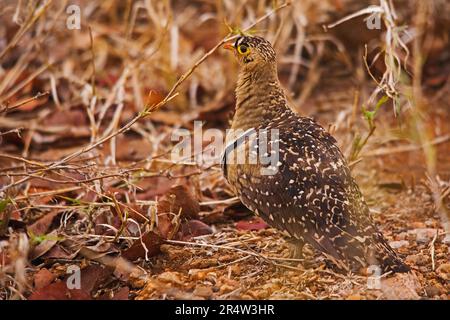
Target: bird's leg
<point x="295" y="248"/>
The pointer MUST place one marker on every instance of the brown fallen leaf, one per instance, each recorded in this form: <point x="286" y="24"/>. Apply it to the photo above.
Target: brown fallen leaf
<point x="152" y="242"/>
<point x="59" y="291"/>
<point x="60" y="252"/>
<point x="167" y="225"/>
<point x="32" y="103"/>
<point x="93" y="276"/>
<point x="193" y="228"/>
<point x="72" y="117"/>
<point x="121" y="294"/>
<point x="179" y="199"/>
<point x="153" y="186"/>
<point x="43" y="278"/>
<point x="105" y="218"/>
<point x="49" y="242"/>
<point x="130" y="149"/>
<point x="42" y="225"/>
<point x="252" y="224"/>
<point x="177" y="204"/>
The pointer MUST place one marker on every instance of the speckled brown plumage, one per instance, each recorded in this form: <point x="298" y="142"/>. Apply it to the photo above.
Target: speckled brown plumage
<point x="312" y="197"/>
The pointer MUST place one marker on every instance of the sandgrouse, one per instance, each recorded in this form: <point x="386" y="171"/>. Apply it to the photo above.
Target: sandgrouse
<point x="310" y="194"/>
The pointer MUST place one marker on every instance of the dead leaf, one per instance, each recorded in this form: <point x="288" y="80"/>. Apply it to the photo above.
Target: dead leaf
<point x="122" y="294"/>
<point x="177" y="204"/>
<point x="59" y="291"/>
<point x="43" y="278"/>
<point x="105" y="218"/>
<point x="93" y="276"/>
<point x="153" y="186"/>
<point x="42" y="225"/>
<point x="194" y="228"/>
<point x="167" y="227"/>
<point x="179" y="200"/>
<point x="252" y="224"/>
<point x="73" y="118"/>
<point x="60" y="252"/>
<point x="45" y="245"/>
<point x="130" y="149"/>
<point x="152" y="242"/>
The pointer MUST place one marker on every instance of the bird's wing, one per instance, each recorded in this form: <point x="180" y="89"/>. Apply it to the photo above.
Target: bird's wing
<point x="313" y="195"/>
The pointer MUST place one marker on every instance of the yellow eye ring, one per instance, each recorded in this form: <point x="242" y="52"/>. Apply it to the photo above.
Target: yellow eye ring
<point x="243" y="49"/>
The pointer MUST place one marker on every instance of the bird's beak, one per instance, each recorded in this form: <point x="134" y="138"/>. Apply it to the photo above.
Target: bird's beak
<point x="228" y="46"/>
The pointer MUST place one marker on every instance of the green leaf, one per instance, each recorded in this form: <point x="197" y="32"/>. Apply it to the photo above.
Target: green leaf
<point x="38" y="239"/>
<point x="380" y="102"/>
<point x="4" y="203"/>
<point x="369" y="115"/>
<point x="72" y="200"/>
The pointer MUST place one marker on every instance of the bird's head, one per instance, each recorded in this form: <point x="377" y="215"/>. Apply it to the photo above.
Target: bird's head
<point x="252" y="52"/>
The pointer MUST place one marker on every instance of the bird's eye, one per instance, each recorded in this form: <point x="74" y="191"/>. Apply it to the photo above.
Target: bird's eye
<point x="243" y="49"/>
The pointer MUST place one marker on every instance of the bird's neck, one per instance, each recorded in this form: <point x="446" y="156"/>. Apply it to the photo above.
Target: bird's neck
<point x="259" y="98"/>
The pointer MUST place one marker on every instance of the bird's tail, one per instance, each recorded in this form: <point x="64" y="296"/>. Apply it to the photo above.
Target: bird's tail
<point x="381" y="254"/>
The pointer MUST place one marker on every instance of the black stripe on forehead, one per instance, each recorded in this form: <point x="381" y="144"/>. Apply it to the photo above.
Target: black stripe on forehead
<point x="238" y="41"/>
<point x="252" y="41"/>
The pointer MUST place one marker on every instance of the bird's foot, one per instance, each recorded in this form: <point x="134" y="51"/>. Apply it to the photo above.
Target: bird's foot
<point x="295" y="249"/>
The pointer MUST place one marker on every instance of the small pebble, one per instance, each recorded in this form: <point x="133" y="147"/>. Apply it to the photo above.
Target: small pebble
<point x="423" y="235"/>
<point x="446" y="239"/>
<point x="203" y="291"/>
<point x="432" y="291"/>
<point x="398" y="244"/>
<point x="444" y="271"/>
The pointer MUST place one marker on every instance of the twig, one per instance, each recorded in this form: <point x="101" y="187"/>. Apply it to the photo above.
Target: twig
<point x="433" y="265"/>
<point x="21" y="103"/>
<point x="216" y="202"/>
<point x="409" y="148"/>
